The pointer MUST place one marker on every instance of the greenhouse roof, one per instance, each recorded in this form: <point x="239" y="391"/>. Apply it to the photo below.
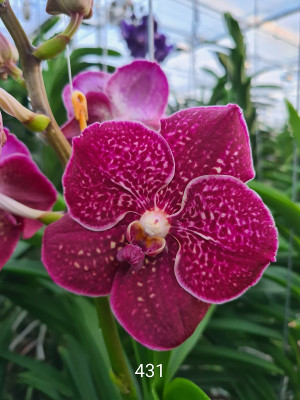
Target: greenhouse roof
<point x="271" y="32"/>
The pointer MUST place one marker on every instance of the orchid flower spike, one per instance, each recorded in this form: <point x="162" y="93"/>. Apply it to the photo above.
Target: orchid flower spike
<point x="163" y="222"/>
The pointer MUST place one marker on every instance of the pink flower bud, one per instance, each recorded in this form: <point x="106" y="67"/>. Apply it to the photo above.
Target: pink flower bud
<point x="9" y="56"/>
<point x="82" y="7"/>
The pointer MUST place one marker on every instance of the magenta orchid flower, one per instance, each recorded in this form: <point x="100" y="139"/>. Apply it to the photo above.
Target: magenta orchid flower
<point x="136" y="92"/>
<point x="163" y="222"/>
<point x="20" y="180"/>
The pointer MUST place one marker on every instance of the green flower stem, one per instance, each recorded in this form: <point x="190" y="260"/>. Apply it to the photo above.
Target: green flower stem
<point x="120" y="372"/>
<point x="57" y="44"/>
<point x="34" y="81"/>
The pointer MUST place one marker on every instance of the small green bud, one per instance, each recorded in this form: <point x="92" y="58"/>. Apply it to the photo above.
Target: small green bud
<point x="34" y="121"/>
<point x="52" y="47"/>
<point x="38" y="122"/>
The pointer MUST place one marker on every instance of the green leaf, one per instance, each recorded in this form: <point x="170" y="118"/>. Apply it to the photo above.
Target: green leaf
<point x="279" y="203"/>
<point x="183" y="389"/>
<point x="41" y="372"/>
<point x="294" y="122"/>
<point x="232" y="324"/>
<point x="180" y="353"/>
<point x="236" y="359"/>
<point x="76" y="362"/>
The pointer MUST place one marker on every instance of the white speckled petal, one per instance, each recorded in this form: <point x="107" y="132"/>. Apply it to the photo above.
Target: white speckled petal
<point x="151" y="305"/>
<point x="205" y="141"/>
<point x="227" y="238"/>
<point x="10" y="232"/>
<point x="83" y="261"/>
<point x="116" y="167"/>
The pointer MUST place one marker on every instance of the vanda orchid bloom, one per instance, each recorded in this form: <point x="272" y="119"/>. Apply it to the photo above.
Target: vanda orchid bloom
<point x="136" y="92"/>
<point x="20" y="180"/>
<point x="162" y="222"/>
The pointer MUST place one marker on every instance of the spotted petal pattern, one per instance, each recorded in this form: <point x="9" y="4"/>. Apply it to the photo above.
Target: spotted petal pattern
<point x="151" y="305"/>
<point x="10" y="232"/>
<point x="80" y="260"/>
<point x="116" y="167"/>
<point x="227" y="238"/>
<point x="21" y="180"/>
<point x="204" y="141"/>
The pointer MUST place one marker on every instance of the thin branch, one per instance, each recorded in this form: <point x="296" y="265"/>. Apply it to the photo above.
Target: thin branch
<point x="34" y="81"/>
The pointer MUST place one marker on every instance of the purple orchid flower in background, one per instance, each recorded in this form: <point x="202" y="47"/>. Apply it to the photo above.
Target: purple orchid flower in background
<point x="163" y="222"/>
<point x="136" y="37"/>
<point x="20" y="180"/>
<point x="138" y="91"/>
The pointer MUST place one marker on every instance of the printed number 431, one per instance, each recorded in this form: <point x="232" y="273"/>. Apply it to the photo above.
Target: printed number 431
<point x="150" y="370"/>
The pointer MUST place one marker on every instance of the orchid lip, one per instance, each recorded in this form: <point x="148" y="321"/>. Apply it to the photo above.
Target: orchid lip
<point x="155" y="223"/>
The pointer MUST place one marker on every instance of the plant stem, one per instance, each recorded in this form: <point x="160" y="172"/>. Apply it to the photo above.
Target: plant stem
<point x="34" y="81"/>
<point x="108" y="326"/>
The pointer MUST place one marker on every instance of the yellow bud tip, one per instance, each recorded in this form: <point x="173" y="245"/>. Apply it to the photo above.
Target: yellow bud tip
<point x="80" y="108"/>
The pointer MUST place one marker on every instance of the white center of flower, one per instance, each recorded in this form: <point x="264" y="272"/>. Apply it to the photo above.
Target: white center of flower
<point x="155" y="223"/>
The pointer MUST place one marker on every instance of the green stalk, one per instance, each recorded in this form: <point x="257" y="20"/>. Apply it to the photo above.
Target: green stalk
<point x="120" y="372"/>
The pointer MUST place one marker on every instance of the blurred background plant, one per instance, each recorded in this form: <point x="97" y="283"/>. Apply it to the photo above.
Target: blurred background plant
<point x="241" y="351"/>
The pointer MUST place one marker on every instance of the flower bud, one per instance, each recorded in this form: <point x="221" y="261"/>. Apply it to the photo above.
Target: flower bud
<point x="35" y="122"/>
<point x="82" y="7"/>
<point x="9" y="56"/>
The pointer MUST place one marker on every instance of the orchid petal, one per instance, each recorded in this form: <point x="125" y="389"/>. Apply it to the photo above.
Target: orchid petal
<point x="150" y="304"/>
<point x="116" y="167"/>
<point x="227" y="238"/>
<point x="139" y="91"/>
<point x="88" y="81"/>
<point x="21" y="180"/>
<point x="82" y="261"/>
<point x="205" y="141"/>
<point x="99" y="110"/>
<point x="10" y="232"/>
<point x="13" y="146"/>
<point x="71" y="128"/>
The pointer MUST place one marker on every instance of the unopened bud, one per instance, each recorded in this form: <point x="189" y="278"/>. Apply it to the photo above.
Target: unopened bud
<point x="35" y="122"/>
<point x="14" y="207"/>
<point x="9" y="56"/>
<point x="82" y="7"/>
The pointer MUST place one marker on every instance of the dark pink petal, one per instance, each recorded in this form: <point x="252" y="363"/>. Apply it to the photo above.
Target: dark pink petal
<point x="10" y="232"/>
<point x="151" y="305"/>
<point x="139" y="91"/>
<point x="115" y="167"/>
<point x="99" y="110"/>
<point x="80" y="260"/>
<point x="21" y="180"/>
<point x="227" y="238"/>
<point x="13" y="146"/>
<point x="71" y="128"/>
<point x="89" y="81"/>
<point x="205" y="141"/>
